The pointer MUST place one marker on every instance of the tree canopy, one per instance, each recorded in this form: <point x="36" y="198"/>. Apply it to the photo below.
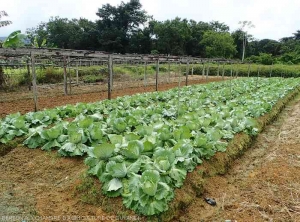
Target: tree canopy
<point x="128" y="28"/>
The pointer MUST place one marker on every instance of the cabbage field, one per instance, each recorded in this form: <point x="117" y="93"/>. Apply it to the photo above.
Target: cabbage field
<point x="141" y="147"/>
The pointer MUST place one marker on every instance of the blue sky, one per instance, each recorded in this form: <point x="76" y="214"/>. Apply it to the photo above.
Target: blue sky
<point x="272" y="19"/>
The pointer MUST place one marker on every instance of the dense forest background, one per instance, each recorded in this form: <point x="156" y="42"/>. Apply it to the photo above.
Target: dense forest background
<point x="127" y="28"/>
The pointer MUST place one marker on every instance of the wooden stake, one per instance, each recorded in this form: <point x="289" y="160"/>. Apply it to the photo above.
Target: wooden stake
<point x="156" y="77"/>
<point x="145" y="73"/>
<point x="70" y="79"/>
<point x="110" y="74"/>
<point x="65" y="76"/>
<point x="34" y="83"/>
<point x="169" y="70"/>
<point x="77" y="76"/>
<point x="207" y="72"/>
<point x="271" y="70"/>
<point x="223" y="71"/>
<point x="28" y="75"/>
<point x="249" y="70"/>
<point x="187" y="72"/>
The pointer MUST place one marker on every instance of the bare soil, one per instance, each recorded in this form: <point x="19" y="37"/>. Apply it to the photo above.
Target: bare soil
<point x="52" y="96"/>
<point x="264" y="184"/>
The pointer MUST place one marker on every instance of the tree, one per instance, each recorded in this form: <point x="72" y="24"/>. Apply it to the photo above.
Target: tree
<point x="172" y="36"/>
<point x="218" y="44"/>
<point x="64" y="33"/>
<point x="219" y="26"/>
<point x="116" y="25"/>
<point x="244" y="26"/>
<point x="197" y="30"/>
<point x="6" y="22"/>
<point x="297" y="35"/>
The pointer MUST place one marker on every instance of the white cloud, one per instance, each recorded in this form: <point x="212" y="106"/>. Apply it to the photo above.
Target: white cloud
<point x="272" y="18"/>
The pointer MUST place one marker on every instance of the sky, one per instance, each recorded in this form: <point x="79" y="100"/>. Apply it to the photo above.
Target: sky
<point x="273" y="19"/>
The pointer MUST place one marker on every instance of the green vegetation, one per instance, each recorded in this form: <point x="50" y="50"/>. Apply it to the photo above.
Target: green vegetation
<point x="93" y="74"/>
<point x="141" y="147"/>
<point x="127" y="28"/>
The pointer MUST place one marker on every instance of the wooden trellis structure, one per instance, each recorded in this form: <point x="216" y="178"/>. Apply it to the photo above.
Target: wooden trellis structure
<point x="72" y="59"/>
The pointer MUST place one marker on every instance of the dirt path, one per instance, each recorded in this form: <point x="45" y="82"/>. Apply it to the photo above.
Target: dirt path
<point x="264" y="184"/>
<point x="22" y="101"/>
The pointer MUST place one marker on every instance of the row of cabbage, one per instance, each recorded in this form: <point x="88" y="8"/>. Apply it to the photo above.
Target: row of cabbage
<point x="142" y="147"/>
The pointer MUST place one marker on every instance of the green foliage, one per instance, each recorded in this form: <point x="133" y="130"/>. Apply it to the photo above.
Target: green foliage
<point x="6" y="22"/>
<point x="14" y="40"/>
<point x="263" y="58"/>
<point x="218" y="44"/>
<point x="142" y="147"/>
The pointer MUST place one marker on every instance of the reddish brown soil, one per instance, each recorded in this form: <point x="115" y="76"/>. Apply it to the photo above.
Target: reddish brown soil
<point x="35" y="183"/>
<point x="21" y="101"/>
<point x="264" y="184"/>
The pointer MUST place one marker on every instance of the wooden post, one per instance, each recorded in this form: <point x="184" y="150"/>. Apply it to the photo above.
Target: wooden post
<point x="249" y="70"/>
<point x="203" y="70"/>
<point x="223" y="71"/>
<point x="169" y="70"/>
<point x="145" y="73"/>
<point x="192" y="69"/>
<point x="218" y="72"/>
<point x="187" y="72"/>
<point x="207" y="72"/>
<point x="258" y="69"/>
<point x="179" y="83"/>
<point x="179" y="74"/>
<point x="156" y="76"/>
<point x="77" y="76"/>
<point x="34" y="87"/>
<point x="271" y="70"/>
<point x="65" y="76"/>
<point x="70" y="79"/>
<point x="110" y="74"/>
<point x="28" y="74"/>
